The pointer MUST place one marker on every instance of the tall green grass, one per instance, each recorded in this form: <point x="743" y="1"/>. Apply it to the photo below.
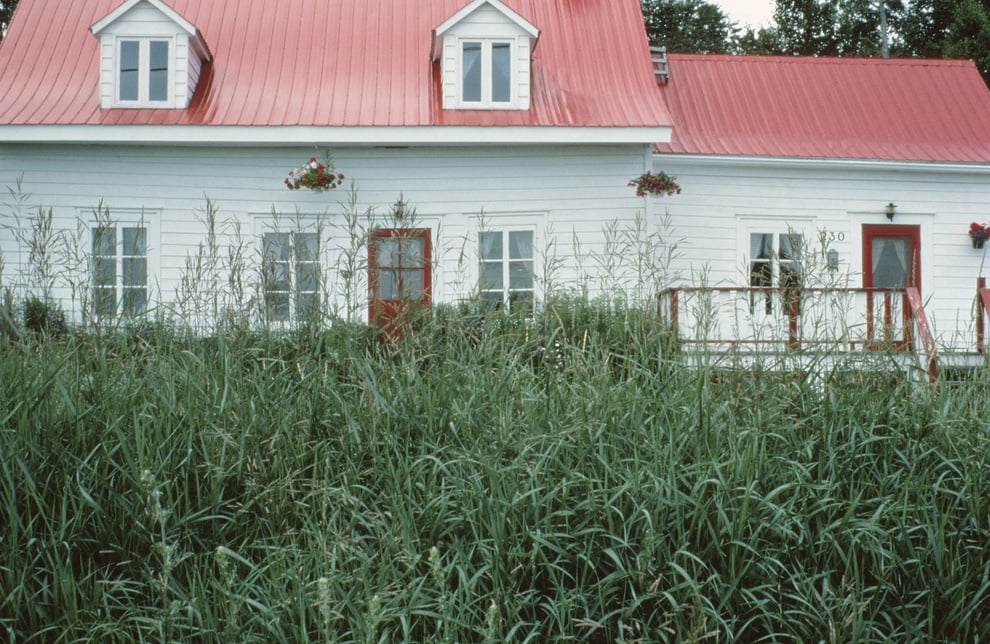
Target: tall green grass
<point x="485" y="478"/>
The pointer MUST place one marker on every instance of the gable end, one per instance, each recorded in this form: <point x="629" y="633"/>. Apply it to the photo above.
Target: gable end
<point x="150" y="56"/>
<point x="485" y="52"/>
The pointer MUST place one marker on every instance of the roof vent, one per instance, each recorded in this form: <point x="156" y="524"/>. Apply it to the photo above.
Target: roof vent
<point x="660" y="69"/>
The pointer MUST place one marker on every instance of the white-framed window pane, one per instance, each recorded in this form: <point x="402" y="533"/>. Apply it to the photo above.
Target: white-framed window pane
<point x="307" y="277"/>
<point x="105" y="241"/>
<point x="105" y="300"/>
<point x="135" y="301"/>
<point x="490" y="245"/>
<point x="158" y="70"/>
<point x="307" y="247"/>
<point x="471" y="67"/>
<point x="277" y="305"/>
<point x="120" y="266"/>
<point x="275" y="274"/>
<point x="129" y="70"/>
<point x="501" y="72"/>
<point x="105" y="270"/>
<point x="521" y="244"/>
<point x="276" y="247"/>
<point x="790" y="246"/>
<point x="134" y="272"/>
<point x="505" y="267"/>
<point x="307" y="304"/>
<point x="520" y="276"/>
<point x="135" y="242"/>
<point x="491" y="276"/>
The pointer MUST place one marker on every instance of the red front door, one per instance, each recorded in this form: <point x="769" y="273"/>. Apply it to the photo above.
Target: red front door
<point x="891" y="260"/>
<point x="399" y="273"/>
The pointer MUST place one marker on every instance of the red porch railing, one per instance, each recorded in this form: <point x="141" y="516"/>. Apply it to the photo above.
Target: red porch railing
<point x="982" y="311"/>
<point x="769" y="319"/>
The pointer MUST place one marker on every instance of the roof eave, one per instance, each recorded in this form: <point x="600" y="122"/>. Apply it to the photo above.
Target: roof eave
<point x="361" y="136"/>
<point x="767" y="161"/>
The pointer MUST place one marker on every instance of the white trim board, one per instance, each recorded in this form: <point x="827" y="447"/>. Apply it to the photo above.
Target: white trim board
<point x="330" y="135"/>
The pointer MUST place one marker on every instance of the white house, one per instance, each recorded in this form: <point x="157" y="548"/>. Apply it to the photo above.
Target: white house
<point x="879" y="166"/>
<point x="158" y="135"/>
<point x="487" y="148"/>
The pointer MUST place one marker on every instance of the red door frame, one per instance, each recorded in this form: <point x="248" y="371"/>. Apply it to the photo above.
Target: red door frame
<point x="384" y="311"/>
<point x="913" y="233"/>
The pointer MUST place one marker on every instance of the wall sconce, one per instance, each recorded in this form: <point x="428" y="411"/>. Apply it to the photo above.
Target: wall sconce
<point x="889" y="211"/>
<point x="832" y="259"/>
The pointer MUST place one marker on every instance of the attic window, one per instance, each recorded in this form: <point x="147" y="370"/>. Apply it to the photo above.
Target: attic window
<point x="485" y="52"/>
<point x="486" y="73"/>
<point x="143" y="72"/>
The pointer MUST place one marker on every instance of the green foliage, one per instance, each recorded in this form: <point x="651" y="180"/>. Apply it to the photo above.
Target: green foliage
<point x="688" y="26"/>
<point x="44" y="317"/>
<point x="487" y="478"/>
<point x="6" y="11"/>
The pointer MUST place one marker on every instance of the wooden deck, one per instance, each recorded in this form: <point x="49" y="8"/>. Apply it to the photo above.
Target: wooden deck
<point x="805" y="330"/>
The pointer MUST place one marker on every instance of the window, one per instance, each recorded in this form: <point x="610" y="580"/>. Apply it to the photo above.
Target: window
<point x="400" y="272"/>
<point x="774" y="262"/>
<point x="143" y="71"/>
<point x="486" y="73"/>
<point x="505" y="267"/>
<point x="120" y="270"/>
<point x="291" y="274"/>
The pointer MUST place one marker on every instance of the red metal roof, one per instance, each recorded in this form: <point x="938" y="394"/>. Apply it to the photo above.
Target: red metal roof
<point x="335" y="62"/>
<point x="888" y="109"/>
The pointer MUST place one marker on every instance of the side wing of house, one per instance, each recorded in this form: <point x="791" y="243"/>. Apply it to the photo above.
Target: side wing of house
<point x="788" y="182"/>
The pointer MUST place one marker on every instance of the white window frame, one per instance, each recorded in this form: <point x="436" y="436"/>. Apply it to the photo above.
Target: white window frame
<point x="148" y="220"/>
<point x="505" y="223"/>
<point x="486" y="101"/>
<point x="144" y="72"/>
<point x="778" y="227"/>
<point x="307" y="226"/>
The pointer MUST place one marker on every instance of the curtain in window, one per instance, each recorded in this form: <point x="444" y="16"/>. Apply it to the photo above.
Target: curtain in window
<point x="521" y="260"/>
<point x="471" y="66"/>
<point x="890" y="267"/>
<point x="501" y="67"/>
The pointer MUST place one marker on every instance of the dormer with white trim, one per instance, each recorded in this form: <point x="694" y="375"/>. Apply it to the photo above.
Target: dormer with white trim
<point x="150" y="56"/>
<point x="484" y="51"/>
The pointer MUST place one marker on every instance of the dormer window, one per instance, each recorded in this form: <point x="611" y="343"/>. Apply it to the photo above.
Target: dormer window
<point x="150" y="56"/>
<point x="486" y="72"/>
<point x="143" y="75"/>
<point x="484" y="53"/>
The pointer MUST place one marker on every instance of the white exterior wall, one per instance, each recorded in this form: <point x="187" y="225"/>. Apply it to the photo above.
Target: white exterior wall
<point x="723" y="199"/>
<point x="568" y="194"/>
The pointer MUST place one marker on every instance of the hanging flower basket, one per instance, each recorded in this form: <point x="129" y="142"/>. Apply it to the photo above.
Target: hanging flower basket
<point x="314" y="175"/>
<point x="659" y="184"/>
<point x="978" y="233"/>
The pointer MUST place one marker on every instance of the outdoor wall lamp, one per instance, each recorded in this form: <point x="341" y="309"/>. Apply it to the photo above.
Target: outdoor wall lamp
<point x="832" y="259"/>
<point x="889" y="210"/>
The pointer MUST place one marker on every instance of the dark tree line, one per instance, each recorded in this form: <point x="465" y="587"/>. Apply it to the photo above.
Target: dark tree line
<point x="921" y="28"/>
<point x="6" y="11"/>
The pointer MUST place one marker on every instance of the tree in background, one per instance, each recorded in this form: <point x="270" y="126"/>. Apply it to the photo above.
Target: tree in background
<point x="692" y="26"/>
<point x="948" y="29"/>
<point x="832" y="27"/>
<point x="6" y="11"/>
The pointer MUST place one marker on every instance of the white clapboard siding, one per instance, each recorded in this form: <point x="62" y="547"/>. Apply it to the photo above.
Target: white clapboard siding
<point x="569" y="192"/>
<point x="839" y="198"/>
